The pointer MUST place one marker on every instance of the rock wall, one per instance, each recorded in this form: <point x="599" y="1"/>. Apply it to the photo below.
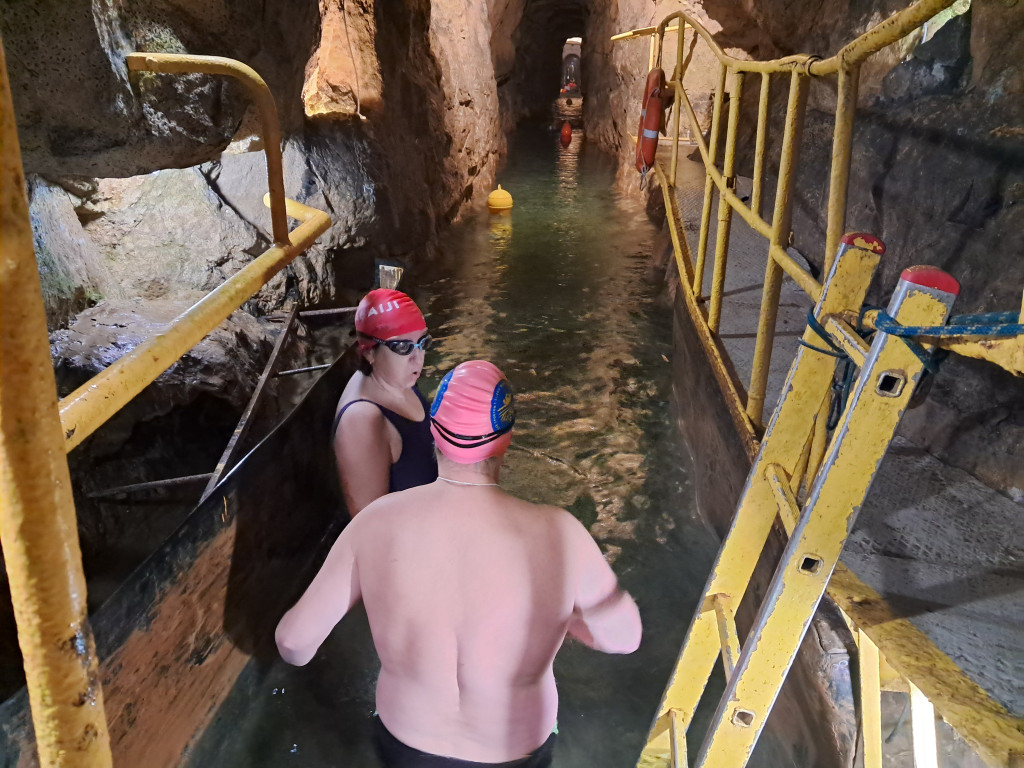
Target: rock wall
<point x="428" y="147"/>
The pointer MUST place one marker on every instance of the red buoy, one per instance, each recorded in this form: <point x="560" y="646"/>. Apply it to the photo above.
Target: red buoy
<point x="650" y="120"/>
<point x="566" y="134"/>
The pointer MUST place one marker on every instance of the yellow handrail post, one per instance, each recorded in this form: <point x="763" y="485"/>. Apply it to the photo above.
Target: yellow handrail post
<point x="178" y="63"/>
<point x="762" y="129"/>
<point x="709" y="185"/>
<point x="779" y="238"/>
<point x="677" y="88"/>
<point x="870" y="700"/>
<point x="38" y="528"/>
<point x="724" y="208"/>
<point x="839" y="176"/>
<point x="922" y="717"/>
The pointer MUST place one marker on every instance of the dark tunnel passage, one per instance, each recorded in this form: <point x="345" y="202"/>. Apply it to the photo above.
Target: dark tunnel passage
<point x="536" y="74"/>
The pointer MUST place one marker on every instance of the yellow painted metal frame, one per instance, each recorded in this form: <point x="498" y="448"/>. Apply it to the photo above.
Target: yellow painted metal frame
<point x="807" y="384"/>
<point x="262" y="98"/>
<point x="860" y="440"/>
<point x="800" y="68"/>
<point x="38" y="527"/>
<point x="997" y="736"/>
<point x="88" y="407"/>
<point x="38" y="530"/>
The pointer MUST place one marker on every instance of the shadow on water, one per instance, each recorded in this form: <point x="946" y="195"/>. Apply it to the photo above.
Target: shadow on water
<point x="555" y="294"/>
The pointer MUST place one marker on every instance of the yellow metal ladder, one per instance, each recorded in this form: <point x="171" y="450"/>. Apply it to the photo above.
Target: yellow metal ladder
<point x="889" y="371"/>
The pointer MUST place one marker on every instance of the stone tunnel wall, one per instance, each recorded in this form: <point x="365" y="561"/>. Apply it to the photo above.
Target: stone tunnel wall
<point x="146" y="193"/>
<point x="428" y="148"/>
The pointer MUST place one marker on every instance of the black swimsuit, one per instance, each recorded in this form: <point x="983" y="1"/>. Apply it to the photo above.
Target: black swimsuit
<point x="416" y="464"/>
<point x="395" y="754"/>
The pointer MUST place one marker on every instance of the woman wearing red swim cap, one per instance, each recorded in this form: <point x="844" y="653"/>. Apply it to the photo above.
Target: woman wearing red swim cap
<point x="381" y="434"/>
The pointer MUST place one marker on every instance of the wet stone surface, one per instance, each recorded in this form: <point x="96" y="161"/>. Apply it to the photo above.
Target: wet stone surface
<point x="555" y="295"/>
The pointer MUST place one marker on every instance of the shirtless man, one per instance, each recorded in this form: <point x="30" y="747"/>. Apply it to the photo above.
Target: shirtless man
<point x="469" y="592"/>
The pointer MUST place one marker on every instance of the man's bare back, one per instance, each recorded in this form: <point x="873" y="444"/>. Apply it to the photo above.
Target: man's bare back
<point x="469" y="592"/>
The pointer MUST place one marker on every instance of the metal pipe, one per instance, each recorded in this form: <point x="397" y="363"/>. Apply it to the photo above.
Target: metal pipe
<point x="177" y="63"/>
<point x="875" y="39"/>
<point x="172" y="482"/>
<point x="800" y="276"/>
<point x="709" y="162"/>
<point x="839" y="176"/>
<point x="242" y="428"/>
<point x="870" y="700"/>
<point x="325" y="312"/>
<point x="724" y="229"/>
<point x="84" y="410"/>
<point x="309" y="369"/>
<point x="641" y="32"/>
<point x="779" y="235"/>
<point x="38" y="529"/>
<point x="677" y="88"/>
<point x="762" y="123"/>
<point x="723" y="372"/>
<point x="878" y="37"/>
<point x="758" y="224"/>
<point x="787" y="64"/>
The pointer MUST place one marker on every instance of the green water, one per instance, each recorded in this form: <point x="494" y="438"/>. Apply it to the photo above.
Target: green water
<point x="559" y="295"/>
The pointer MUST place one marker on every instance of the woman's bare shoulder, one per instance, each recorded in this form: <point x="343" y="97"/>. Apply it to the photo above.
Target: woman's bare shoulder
<point x="360" y="419"/>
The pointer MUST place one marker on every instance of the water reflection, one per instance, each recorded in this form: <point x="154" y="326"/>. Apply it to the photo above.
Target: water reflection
<point x="501" y="231"/>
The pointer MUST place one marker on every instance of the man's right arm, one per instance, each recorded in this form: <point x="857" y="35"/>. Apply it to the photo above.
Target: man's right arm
<point x="604" y="617"/>
<point x="334" y="590"/>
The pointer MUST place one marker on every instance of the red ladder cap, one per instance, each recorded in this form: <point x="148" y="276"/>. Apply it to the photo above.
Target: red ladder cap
<point x="865" y="242"/>
<point x="931" y="277"/>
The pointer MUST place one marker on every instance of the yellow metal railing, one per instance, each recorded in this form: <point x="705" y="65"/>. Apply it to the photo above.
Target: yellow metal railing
<point x="38" y="528"/>
<point x="731" y="77"/>
<point x="802" y="441"/>
<point x="89" y="406"/>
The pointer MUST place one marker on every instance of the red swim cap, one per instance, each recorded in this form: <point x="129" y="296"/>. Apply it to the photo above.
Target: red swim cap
<point x="473" y="413"/>
<point x="385" y="313"/>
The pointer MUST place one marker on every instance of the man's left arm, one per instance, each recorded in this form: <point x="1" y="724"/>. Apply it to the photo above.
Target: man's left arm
<point x="334" y="591"/>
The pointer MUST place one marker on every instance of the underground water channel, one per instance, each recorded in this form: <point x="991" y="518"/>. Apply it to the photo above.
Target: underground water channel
<point x="558" y="294"/>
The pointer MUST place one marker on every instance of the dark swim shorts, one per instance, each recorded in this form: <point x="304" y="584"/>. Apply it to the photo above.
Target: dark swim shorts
<point x="395" y="754"/>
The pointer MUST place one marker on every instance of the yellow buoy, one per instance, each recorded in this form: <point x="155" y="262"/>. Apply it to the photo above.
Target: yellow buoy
<point x="499" y="200"/>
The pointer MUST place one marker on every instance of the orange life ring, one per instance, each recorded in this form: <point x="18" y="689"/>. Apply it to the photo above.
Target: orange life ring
<point x="650" y="120"/>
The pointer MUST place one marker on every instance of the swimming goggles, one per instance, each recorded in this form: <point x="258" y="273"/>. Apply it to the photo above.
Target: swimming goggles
<point x="405" y="347"/>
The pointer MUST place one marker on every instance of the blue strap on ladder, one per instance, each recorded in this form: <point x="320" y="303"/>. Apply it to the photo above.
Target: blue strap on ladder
<point x="990" y="325"/>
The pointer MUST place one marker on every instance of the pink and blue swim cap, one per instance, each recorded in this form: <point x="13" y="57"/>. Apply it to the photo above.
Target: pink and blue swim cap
<point x="473" y="413"/>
